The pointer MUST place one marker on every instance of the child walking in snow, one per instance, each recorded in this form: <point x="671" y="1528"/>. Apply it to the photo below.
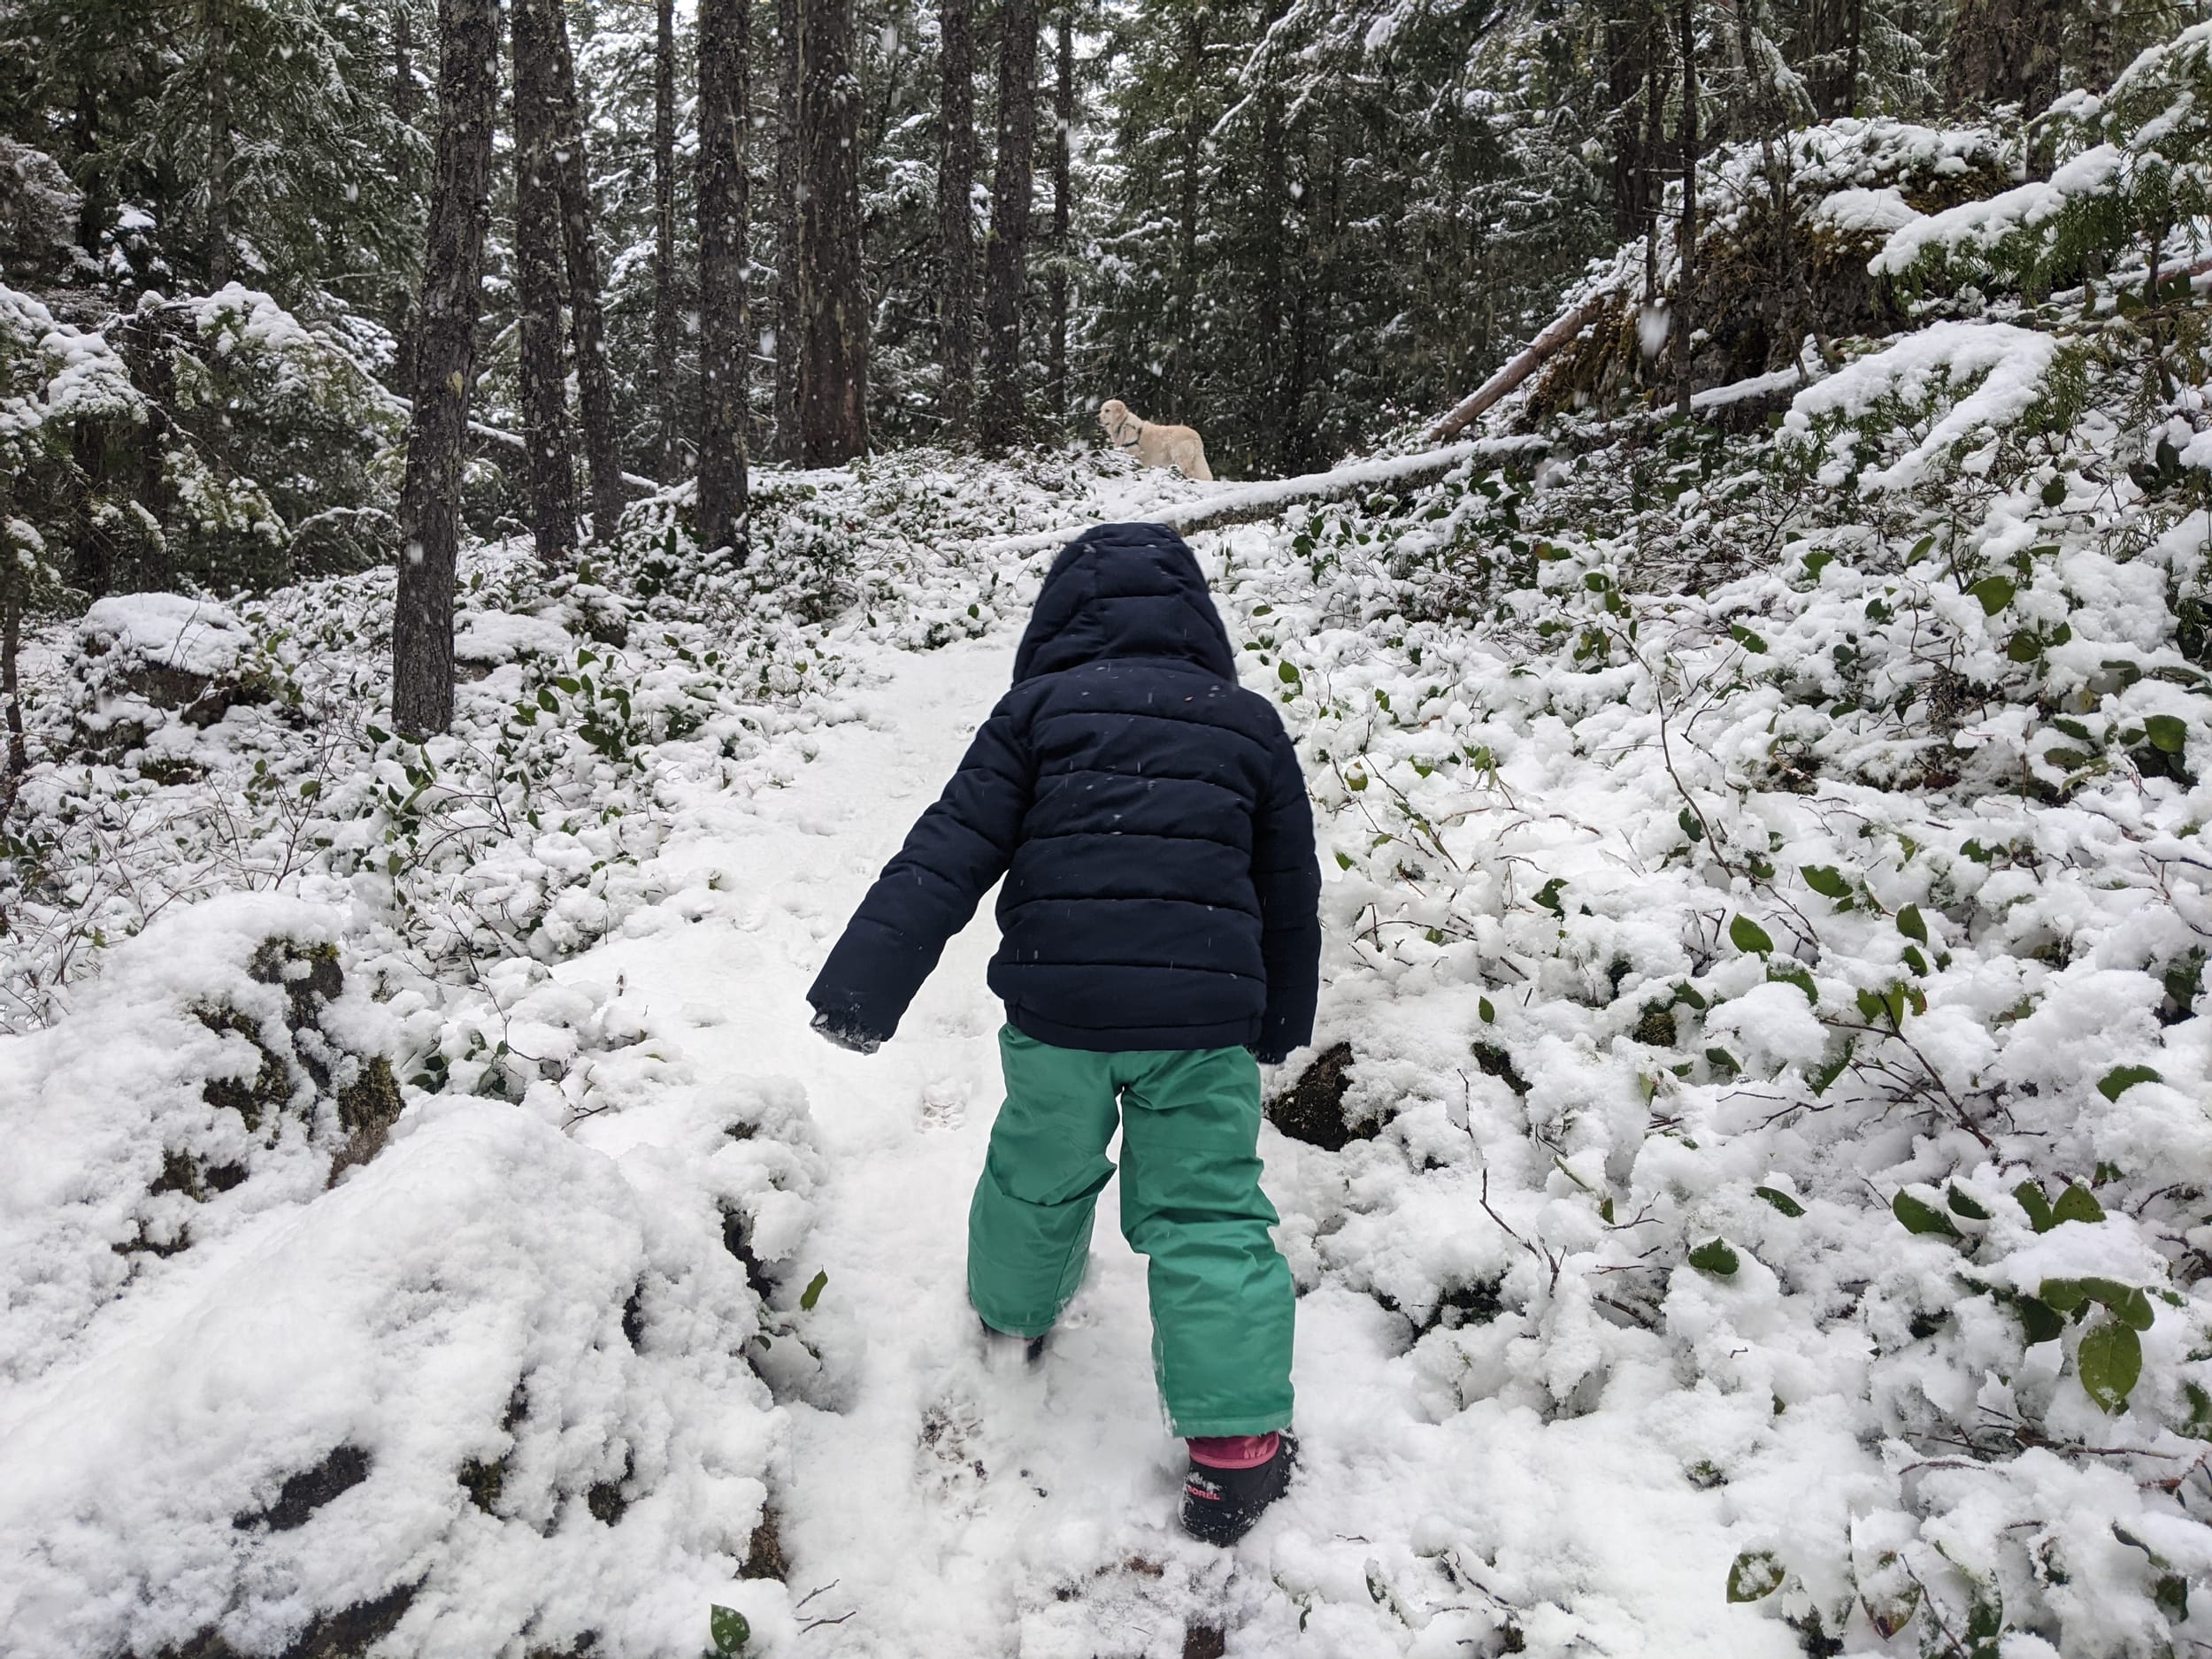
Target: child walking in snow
<point x="1159" y="938"/>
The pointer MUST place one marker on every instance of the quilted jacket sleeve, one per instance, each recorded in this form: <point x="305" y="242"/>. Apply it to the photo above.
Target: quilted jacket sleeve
<point x="925" y="895"/>
<point x="1288" y="880"/>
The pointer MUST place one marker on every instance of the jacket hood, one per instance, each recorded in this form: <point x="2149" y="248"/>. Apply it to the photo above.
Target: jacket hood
<point x="1123" y="590"/>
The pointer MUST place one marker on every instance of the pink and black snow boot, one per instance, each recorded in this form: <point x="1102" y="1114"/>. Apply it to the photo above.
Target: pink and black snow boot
<point x="1232" y="1478"/>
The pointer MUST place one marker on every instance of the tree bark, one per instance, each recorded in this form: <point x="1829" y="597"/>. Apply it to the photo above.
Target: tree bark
<point x="1685" y="234"/>
<point x="724" y="208"/>
<point x="222" y="144"/>
<point x="833" y="361"/>
<point x="664" y="233"/>
<point x="445" y="350"/>
<point x="1063" y="187"/>
<point x="594" y="381"/>
<point x="956" y="215"/>
<point x="1006" y="248"/>
<point x="538" y="283"/>
<point x="790" y="314"/>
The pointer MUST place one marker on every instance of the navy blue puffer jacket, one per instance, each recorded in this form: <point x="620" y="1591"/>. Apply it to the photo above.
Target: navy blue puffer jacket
<point x="1149" y="817"/>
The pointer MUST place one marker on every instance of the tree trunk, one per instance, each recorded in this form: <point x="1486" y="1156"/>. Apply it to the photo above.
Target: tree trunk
<point x="833" y="361"/>
<point x="538" y="283"/>
<point x="1655" y="137"/>
<point x="1831" y="38"/>
<point x="445" y="350"/>
<point x="221" y="145"/>
<point x="2004" y="51"/>
<point x="1686" y="234"/>
<point x="1768" y="109"/>
<point x="1006" y="247"/>
<point x="790" y="314"/>
<point x="594" y="381"/>
<point x="723" y="212"/>
<point x="1628" y="40"/>
<point x="13" y="581"/>
<point x="1062" y="187"/>
<point x="956" y="215"/>
<point x="664" y="235"/>
<point x="1187" y="219"/>
<point x="404" y="99"/>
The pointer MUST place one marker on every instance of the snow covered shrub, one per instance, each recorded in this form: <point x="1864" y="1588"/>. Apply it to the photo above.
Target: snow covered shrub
<point x="311" y="1360"/>
<point x="1767" y="921"/>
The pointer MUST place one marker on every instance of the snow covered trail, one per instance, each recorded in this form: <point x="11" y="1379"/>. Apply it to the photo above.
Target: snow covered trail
<point x="934" y="1506"/>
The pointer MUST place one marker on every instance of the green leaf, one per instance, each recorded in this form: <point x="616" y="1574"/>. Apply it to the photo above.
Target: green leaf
<point x="1780" y="1200"/>
<point x="1286" y="672"/>
<point x="1755" y="1574"/>
<point x="2077" y="1203"/>
<point x="1691" y="827"/>
<point x="2029" y="1198"/>
<point x="1716" y="1257"/>
<point x="1747" y="935"/>
<point x="813" y="1294"/>
<point x="2055" y="492"/>
<point x="1922" y="1216"/>
<point x="1343" y="862"/>
<point x="2120" y="1079"/>
<point x="2023" y="648"/>
<point x="1914" y="960"/>
<point x="1489" y="1014"/>
<point x="1963" y="1203"/>
<point x="727" y="1629"/>
<point x="2063" y="1295"/>
<point x="1818" y="561"/>
<point x="1793" y="973"/>
<point x="1547" y="896"/>
<point x="547" y="700"/>
<point x="1994" y="592"/>
<point x="2109" y="1359"/>
<point x="2167" y="733"/>
<point x="1913" y="924"/>
<point x="1745" y="638"/>
<point x="1828" y="1070"/>
<point x="1826" y="881"/>
<point x="1355" y="781"/>
<point x="2039" y="1321"/>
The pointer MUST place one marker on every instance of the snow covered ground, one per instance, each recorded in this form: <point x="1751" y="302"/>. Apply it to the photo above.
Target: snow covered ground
<point x="1766" y="903"/>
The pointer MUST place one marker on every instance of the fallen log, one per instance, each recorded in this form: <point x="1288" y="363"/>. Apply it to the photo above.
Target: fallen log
<point x="1243" y="504"/>
<point x="634" y="484"/>
<point x="1555" y="336"/>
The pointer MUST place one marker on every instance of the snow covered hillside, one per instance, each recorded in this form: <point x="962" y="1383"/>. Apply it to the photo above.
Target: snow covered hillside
<point x="1751" y="1192"/>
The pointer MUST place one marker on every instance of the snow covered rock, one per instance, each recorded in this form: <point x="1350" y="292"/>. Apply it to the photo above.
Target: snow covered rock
<point x="150" y="660"/>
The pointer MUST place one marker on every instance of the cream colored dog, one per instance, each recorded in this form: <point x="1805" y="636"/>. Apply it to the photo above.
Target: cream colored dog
<point x="1178" y="447"/>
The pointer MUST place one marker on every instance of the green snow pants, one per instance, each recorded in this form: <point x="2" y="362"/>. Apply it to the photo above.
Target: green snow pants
<point x="1191" y="1204"/>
